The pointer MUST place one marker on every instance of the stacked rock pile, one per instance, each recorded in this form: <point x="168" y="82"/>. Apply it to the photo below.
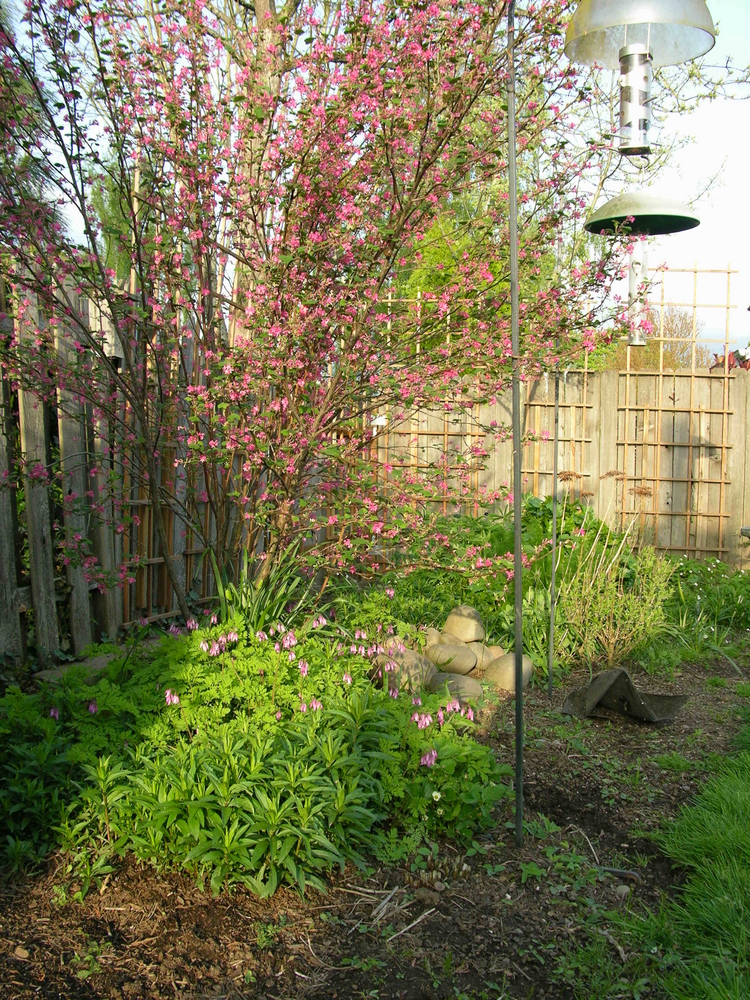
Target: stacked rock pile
<point x="457" y="656"/>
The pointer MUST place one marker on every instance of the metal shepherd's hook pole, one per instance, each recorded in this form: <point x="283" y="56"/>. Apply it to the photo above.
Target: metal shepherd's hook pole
<point x="515" y="341"/>
<point x="552" y="590"/>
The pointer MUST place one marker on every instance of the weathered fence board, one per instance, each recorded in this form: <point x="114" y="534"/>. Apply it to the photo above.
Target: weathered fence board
<point x="33" y="422"/>
<point x="73" y="464"/>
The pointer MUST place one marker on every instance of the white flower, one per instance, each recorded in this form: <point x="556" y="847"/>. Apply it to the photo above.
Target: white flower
<point x="436" y="796"/>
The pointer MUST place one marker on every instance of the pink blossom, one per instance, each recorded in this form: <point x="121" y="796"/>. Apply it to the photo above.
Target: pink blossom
<point x="93" y="709"/>
<point x="315" y="705"/>
<point x="428" y="760"/>
<point x="347" y="679"/>
<point x="192" y="624"/>
<point x="303" y="667"/>
<point x="54" y="713"/>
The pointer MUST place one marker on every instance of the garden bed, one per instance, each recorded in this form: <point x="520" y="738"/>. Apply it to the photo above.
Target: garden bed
<point x="494" y="922"/>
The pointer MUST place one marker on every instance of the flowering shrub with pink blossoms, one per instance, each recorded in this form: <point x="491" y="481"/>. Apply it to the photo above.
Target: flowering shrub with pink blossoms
<point x="250" y="195"/>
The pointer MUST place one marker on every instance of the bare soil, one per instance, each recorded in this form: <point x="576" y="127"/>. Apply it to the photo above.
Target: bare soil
<point x="466" y="927"/>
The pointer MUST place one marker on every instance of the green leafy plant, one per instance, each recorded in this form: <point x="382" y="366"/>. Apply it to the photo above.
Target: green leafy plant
<point x="612" y="600"/>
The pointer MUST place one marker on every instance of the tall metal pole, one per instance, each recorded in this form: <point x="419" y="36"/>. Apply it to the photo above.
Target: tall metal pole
<point x="552" y="591"/>
<point x="515" y="342"/>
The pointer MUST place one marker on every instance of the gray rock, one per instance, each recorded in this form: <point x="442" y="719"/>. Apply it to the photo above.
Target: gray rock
<point x="432" y="637"/>
<point x="484" y="654"/>
<point x="465" y="623"/>
<point x="501" y="672"/>
<point x="94" y="666"/>
<point x="453" y="659"/>
<point x="447" y="639"/>
<point x="410" y="670"/>
<point x="460" y="687"/>
<point x="497" y="651"/>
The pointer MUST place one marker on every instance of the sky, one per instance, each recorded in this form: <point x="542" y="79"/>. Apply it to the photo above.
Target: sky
<point x="721" y="130"/>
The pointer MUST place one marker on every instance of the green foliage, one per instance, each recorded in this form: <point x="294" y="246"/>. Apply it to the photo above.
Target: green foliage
<point x="698" y="944"/>
<point x="613" y="601"/>
<point x="281" y="596"/>
<point x="260" y="773"/>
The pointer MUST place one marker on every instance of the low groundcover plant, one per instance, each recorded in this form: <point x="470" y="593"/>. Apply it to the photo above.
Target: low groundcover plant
<point x="258" y="759"/>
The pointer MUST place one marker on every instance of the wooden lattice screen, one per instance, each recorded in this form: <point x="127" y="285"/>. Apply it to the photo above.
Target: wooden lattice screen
<point x="669" y="448"/>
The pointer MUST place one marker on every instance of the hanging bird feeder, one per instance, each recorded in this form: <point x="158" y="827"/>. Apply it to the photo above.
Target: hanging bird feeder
<point x="640" y="213"/>
<point x="636" y="36"/>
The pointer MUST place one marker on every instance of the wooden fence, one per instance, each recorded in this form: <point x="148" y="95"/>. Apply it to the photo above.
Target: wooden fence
<point x="64" y="608"/>
<point x="670" y="448"/>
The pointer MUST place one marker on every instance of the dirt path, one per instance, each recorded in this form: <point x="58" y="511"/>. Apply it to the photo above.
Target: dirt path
<point x="479" y="927"/>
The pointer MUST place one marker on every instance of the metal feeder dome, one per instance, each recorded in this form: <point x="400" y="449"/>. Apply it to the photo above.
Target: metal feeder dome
<point x="672" y="31"/>
<point x="640" y="213"/>
<point x="651" y="214"/>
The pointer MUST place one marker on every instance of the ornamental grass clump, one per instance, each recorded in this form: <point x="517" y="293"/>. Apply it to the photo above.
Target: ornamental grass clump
<point x="612" y="598"/>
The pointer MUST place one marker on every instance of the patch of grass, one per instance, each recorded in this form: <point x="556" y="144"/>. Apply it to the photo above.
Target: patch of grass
<point x="697" y="945"/>
<point x="674" y="761"/>
<point x="717" y="682"/>
<point x="743" y="690"/>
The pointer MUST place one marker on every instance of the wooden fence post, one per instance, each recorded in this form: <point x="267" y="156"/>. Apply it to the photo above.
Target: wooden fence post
<point x="11" y="639"/>
<point x="737" y="500"/>
<point x="73" y="461"/>
<point x="110" y="602"/>
<point x="33" y="414"/>
<point x="605" y="491"/>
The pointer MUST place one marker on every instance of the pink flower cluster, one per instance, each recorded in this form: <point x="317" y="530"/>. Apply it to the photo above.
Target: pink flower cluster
<point x="423" y="720"/>
<point x="171" y="697"/>
<point x="320" y="621"/>
<point x="347" y="679"/>
<point x="428" y="760"/>
<point x="219" y="646"/>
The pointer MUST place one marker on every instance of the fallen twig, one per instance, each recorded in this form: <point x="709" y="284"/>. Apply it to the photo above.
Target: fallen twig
<point x="333" y="968"/>
<point x="382" y="905"/>
<point x="579" y="830"/>
<point x="412" y="924"/>
<point x="608" y="936"/>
